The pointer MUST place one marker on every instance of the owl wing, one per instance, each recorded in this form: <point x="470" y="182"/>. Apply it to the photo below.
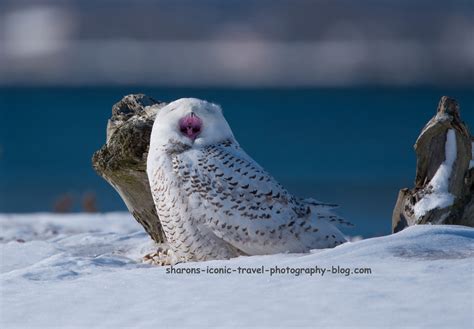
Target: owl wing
<point x="245" y="206"/>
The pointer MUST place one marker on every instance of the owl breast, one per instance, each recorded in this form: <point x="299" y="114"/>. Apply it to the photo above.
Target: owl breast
<point x="182" y="213"/>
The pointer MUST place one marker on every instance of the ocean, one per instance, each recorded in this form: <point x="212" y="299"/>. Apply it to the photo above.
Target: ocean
<point x="351" y="146"/>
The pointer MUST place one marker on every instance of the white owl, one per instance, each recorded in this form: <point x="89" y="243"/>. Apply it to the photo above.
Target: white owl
<point x="215" y="202"/>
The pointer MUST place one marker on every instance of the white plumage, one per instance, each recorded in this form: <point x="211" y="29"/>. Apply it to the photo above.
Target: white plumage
<point x="215" y="202"/>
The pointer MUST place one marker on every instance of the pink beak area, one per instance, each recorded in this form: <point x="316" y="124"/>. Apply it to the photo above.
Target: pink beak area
<point x="190" y="126"/>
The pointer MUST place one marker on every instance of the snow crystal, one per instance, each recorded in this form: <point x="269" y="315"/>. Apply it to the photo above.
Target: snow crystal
<point x="440" y="196"/>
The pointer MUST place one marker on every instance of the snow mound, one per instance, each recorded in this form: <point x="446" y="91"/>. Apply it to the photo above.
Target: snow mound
<point x="85" y="271"/>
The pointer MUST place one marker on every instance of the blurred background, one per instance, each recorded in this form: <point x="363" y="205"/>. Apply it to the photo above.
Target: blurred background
<point x="329" y="96"/>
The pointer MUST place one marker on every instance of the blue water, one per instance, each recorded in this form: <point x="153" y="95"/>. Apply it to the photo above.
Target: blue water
<point x="349" y="146"/>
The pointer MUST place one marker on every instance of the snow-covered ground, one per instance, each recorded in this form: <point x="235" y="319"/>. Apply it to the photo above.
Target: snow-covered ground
<point x="84" y="271"/>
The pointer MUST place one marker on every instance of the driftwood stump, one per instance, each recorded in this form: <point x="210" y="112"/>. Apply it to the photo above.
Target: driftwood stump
<point x="443" y="149"/>
<point x="122" y="163"/>
<point x="122" y="160"/>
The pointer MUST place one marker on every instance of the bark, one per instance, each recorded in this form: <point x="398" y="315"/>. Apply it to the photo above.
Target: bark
<point x="430" y="150"/>
<point x="122" y="160"/>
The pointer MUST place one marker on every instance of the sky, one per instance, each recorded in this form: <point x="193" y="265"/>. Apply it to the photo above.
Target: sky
<point x="236" y="43"/>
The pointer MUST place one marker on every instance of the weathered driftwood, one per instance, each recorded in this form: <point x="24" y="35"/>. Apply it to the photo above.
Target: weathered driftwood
<point x="122" y="160"/>
<point x="431" y="154"/>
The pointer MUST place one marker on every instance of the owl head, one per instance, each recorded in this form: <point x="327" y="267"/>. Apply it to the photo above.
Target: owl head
<point x="192" y="122"/>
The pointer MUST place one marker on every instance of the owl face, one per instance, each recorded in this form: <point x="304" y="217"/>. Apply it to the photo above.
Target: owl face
<point x="191" y="121"/>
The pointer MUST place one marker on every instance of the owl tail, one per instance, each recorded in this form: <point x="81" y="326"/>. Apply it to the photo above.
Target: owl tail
<point x="323" y="211"/>
<point x="316" y="203"/>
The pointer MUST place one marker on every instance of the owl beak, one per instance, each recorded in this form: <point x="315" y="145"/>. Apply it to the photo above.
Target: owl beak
<point x="190" y="126"/>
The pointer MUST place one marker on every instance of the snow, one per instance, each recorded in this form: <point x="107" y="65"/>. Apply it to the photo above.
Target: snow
<point x="84" y="271"/>
<point x="471" y="165"/>
<point x="440" y="196"/>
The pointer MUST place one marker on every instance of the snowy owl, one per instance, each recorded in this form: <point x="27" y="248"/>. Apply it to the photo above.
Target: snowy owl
<point x="215" y="202"/>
